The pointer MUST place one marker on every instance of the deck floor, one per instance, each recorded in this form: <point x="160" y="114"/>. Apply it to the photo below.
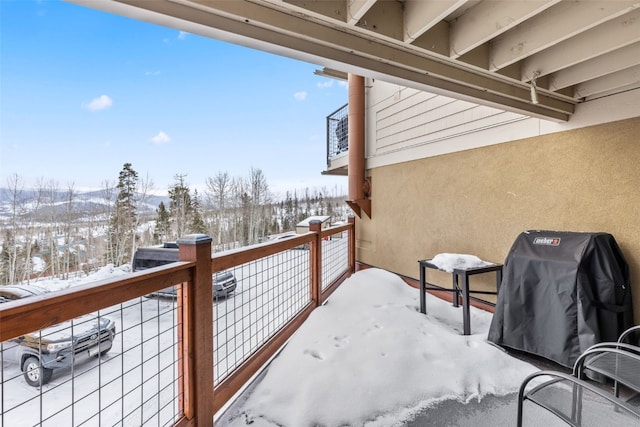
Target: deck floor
<point x="490" y="411"/>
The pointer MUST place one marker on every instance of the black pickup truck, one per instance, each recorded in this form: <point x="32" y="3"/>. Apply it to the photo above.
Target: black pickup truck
<point x="224" y="282"/>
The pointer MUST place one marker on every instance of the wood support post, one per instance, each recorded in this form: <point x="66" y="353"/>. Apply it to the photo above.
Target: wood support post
<point x="315" y="226"/>
<point x="196" y="300"/>
<point x="352" y="244"/>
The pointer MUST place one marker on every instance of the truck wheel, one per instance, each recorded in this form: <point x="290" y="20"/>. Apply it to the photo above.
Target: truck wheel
<point x="34" y="373"/>
<point x="105" y="351"/>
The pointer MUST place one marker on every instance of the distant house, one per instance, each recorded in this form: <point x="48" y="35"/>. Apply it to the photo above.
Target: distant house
<point x="303" y="226"/>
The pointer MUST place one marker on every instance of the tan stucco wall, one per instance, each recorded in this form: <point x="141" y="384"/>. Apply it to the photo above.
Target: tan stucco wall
<point x="478" y="201"/>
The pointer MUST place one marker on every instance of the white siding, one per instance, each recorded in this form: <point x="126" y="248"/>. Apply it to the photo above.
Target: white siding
<point x="406" y="124"/>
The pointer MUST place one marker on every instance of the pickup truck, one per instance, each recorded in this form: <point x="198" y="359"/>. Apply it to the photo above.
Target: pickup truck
<point x="59" y="346"/>
<point x="224" y="282"/>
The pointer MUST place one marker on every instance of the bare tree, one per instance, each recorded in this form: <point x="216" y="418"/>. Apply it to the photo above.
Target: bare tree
<point x="28" y="232"/>
<point x="11" y="252"/>
<point x="67" y="237"/>
<point x="51" y="211"/>
<point x="90" y="237"/>
<point x="109" y="196"/>
<point x="238" y="216"/>
<point x="219" y="192"/>
<point x="144" y="189"/>
<point x="260" y="199"/>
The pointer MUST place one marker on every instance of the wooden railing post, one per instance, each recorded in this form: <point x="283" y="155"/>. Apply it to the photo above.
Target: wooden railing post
<point x="197" y="330"/>
<point x="315" y="226"/>
<point x="352" y="244"/>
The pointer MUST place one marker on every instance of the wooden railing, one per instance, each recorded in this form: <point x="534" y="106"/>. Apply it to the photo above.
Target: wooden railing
<point x="196" y="397"/>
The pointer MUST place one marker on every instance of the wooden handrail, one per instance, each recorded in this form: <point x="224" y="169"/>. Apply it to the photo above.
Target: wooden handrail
<point x="32" y="314"/>
<point x="235" y="257"/>
<point x="326" y="232"/>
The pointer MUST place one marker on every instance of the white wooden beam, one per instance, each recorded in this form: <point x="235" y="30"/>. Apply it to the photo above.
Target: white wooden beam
<point x="611" y="62"/>
<point x="489" y="19"/>
<point x="607" y="37"/>
<point x="356" y="10"/>
<point x="420" y="15"/>
<point x="558" y="23"/>
<point x="627" y="77"/>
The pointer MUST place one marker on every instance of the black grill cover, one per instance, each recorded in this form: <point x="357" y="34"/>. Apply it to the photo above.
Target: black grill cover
<point x="562" y="292"/>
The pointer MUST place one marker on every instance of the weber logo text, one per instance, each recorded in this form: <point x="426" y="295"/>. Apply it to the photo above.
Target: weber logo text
<point x="549" y="241"/>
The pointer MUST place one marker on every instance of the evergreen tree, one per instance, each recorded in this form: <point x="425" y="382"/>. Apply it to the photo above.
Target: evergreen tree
<point x="289" y="216"/>
<point x="180" y="206"/>
<point x="123" y="220"/>
<point x="163" y="225"/>
<point x="197" y="223"/>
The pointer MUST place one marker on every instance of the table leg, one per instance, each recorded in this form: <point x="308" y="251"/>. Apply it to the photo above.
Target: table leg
<point x="456" y="289"/>
<point x="466" y="315"/>
<point x="423" y="297"/>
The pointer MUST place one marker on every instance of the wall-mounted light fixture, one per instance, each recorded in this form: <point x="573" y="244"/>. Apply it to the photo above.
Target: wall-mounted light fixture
<point x="534" y="88"/>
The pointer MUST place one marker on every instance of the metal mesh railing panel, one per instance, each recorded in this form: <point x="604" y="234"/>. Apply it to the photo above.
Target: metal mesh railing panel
<point x="337" y="132"/>
<point x="135" y="381"/>
<point x="270" y="292"/>
<point x="335" y="257"/>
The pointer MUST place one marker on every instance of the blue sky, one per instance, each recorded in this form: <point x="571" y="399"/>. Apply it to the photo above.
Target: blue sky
<point x="82" y="92"/>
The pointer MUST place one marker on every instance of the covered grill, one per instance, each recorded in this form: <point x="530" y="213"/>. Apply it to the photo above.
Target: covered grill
<point x="562" y="292"/>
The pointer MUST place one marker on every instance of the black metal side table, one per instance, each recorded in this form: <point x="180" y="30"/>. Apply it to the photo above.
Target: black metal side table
<point x="455" y="288"/>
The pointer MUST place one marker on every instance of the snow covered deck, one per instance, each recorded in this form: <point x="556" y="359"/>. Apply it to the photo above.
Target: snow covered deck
<point x="369" y="358"/>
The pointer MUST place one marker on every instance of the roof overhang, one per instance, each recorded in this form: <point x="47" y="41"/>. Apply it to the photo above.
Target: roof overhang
<point x="336" y="34"/>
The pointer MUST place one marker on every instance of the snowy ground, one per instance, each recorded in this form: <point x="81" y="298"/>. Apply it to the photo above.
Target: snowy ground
<point x="370" y="358"/>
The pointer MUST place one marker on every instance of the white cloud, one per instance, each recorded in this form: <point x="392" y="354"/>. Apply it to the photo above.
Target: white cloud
<point x="300" y="96"/>
<point x="152" y="73"/>
<point x="344" y="84"/>
<point x="182" y="35"/>
<point x="100" y="103"/>
<point x="161" y="138"/>
<point x="325" y="84"/>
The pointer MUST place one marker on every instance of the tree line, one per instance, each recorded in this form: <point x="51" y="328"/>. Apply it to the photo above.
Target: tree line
<point x="47" y="234"/>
